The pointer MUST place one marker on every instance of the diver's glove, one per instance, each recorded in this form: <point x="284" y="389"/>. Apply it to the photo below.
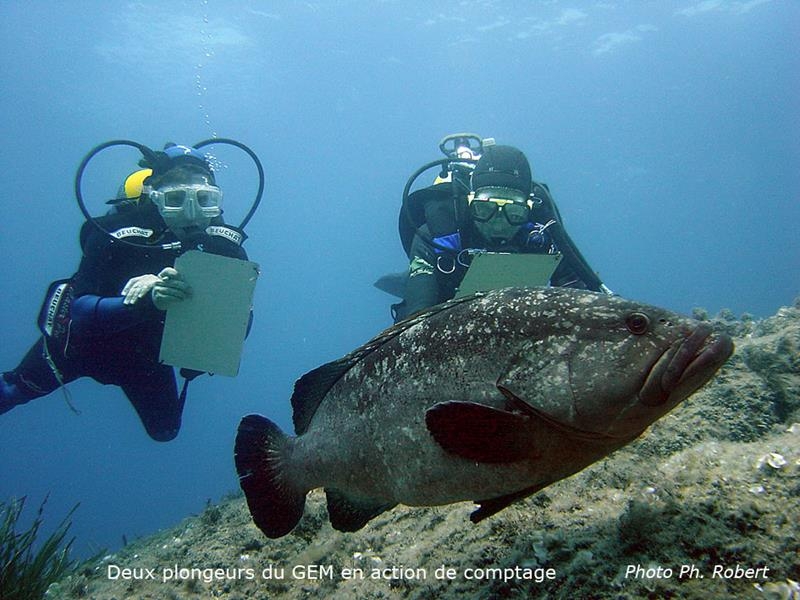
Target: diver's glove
<point x="165" y="288"/>
<point x="169" y="288"/>
<point x="138" y="287"/>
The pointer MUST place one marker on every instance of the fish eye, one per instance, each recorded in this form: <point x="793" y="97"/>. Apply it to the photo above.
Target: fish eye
<point x="637" y="323"/>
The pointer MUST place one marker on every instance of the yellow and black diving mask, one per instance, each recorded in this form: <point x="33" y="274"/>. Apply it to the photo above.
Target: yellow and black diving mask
<point x="486" y="203"/>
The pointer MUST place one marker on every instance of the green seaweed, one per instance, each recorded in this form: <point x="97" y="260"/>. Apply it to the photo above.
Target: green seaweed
<point x="25" y="570"/>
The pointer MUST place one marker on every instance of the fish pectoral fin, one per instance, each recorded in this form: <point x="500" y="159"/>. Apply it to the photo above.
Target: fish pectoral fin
<point x="480" y="433"/>
<point x="350" y="515"/>
<point x="495" y="505"/>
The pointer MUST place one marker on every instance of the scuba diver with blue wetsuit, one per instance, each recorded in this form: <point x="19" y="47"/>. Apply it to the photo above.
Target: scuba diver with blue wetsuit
<point x="106" y="322"/>
<point x="484" y="200"/>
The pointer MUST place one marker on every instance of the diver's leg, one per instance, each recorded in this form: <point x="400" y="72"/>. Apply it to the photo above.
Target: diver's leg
<point x="154" y="395"/>
<point x="33" y="378"/>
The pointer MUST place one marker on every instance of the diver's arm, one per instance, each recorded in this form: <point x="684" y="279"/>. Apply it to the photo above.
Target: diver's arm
<point x="92" y="311"/>
<point x="100" y="315"/>
<point x="422" y="289"/>
<point x="421" y="293"/>
<point x="97" y="315"/>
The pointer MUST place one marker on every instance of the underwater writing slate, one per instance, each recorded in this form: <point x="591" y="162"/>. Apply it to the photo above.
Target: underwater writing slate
<point x="206" y="331"/>
<point x="495" y="270"/>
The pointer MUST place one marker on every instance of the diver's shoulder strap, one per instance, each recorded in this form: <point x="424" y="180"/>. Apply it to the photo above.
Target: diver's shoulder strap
<point x="227" y="232"/>
<point x="139" y="225"/>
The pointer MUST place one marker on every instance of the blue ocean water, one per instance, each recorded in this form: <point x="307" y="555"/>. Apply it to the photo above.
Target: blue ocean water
<point x="669" y="134"/>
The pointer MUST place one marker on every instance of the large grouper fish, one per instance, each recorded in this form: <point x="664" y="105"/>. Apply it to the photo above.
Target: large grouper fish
<point x="487" y="398"/>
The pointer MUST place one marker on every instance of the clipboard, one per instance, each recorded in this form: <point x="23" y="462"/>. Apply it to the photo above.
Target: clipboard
<point x="206" y="331"/>
<point x="495" y="270"/>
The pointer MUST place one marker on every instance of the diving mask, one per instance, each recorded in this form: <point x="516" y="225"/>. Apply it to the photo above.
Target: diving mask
<point x="195" y="201"/>
<point x="498" y="214"/>
<point x="485" y="205"/>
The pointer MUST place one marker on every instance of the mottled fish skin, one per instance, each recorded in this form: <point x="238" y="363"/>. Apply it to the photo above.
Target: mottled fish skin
<point x="563" y="369"/>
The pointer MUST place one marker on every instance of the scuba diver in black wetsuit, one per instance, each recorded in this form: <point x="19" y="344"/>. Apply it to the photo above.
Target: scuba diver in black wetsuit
<point x="484" y="200"/>
<point x="106" y="321"/>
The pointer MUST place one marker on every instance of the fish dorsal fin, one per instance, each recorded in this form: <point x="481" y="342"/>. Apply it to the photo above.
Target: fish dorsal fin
<point x="312" y="387"/>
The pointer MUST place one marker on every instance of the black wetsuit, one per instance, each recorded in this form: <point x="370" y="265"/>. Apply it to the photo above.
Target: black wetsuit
<point x="435" y="274"/>
<point x="111" y="342"/>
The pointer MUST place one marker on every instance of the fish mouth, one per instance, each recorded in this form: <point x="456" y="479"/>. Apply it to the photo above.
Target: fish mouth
<point x="686" y="366"/>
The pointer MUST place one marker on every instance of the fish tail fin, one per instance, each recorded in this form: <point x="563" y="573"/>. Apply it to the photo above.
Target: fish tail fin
<point x="260" y="453"/>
